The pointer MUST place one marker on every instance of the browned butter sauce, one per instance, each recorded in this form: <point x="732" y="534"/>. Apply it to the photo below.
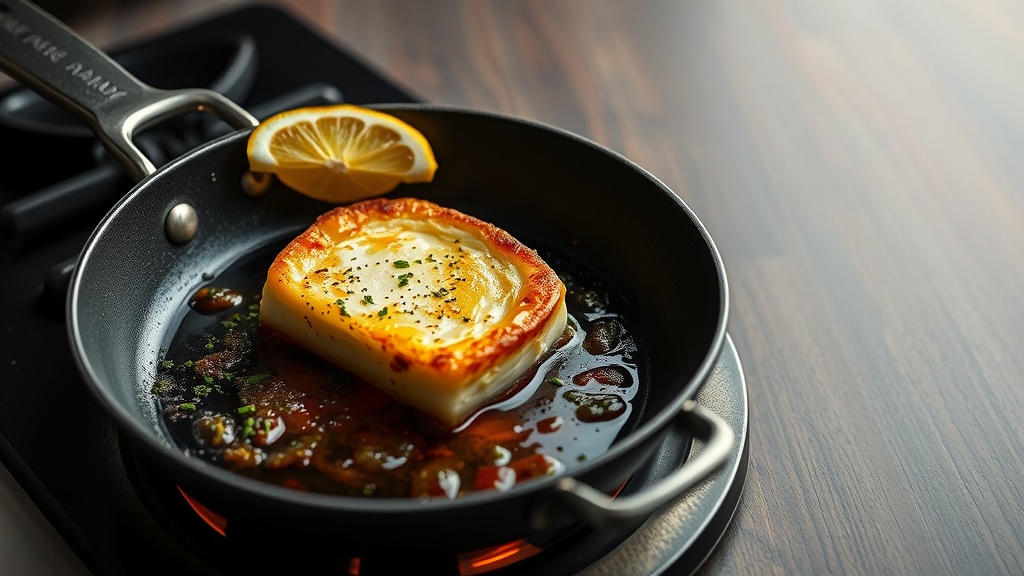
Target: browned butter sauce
<point x="244" y="398"/>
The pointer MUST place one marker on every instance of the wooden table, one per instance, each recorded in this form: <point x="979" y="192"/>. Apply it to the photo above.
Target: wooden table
<point x="860" y="165"/>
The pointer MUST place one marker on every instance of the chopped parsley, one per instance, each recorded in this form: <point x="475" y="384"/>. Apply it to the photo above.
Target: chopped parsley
<point x="367" y="299"/>
<point x="383" y="312"/>
<point x="401" y="263"/>
<point x="341" y="307"/>
<point x="160" y="386"/>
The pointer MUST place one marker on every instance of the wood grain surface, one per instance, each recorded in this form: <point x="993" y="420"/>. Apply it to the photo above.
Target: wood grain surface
<point x="860" y="165"/>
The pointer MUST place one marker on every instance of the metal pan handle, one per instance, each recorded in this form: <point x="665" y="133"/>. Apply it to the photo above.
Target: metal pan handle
<point x="44" y="54"/>
<point x="599" y="509"/>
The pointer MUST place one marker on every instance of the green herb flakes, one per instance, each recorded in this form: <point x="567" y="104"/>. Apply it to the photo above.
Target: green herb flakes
<point x="160" y="386"/>
<point x="341" y="307"/>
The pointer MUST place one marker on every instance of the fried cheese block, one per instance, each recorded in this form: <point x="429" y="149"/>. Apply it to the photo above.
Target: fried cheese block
<point x="440" y="309"/>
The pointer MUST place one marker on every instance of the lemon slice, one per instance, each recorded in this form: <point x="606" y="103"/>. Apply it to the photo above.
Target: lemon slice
<point x="340" y="153"/>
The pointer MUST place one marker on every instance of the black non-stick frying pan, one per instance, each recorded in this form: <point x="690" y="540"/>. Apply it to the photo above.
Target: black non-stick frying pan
<point x="191" y="220"/>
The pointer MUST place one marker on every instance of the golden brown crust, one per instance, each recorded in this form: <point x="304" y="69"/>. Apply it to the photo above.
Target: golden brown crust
<point x="481" y="299"/>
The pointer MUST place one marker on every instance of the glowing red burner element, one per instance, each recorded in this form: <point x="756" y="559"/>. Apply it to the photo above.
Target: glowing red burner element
<point x="488" y="559"/>
<point x="471" y="563"/>
<point x="216" y="521"/>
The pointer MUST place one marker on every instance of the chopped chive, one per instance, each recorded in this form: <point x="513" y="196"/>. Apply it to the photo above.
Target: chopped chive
<point x="187" y="406"/>
<point x="246" y="409"/>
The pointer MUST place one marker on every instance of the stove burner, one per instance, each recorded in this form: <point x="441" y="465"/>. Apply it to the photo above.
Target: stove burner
<point x="84" y="475"/>
<point x="466" y="563"/>
<point x="472" y="563"/>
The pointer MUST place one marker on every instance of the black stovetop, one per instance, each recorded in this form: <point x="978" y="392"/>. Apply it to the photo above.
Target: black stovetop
<point x="54" y="438"/>
<point x="56" y="441"/>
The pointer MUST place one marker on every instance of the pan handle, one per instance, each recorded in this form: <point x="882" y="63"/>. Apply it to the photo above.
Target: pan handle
<point x="599" y="509"/>
<point x="44" y="54"/>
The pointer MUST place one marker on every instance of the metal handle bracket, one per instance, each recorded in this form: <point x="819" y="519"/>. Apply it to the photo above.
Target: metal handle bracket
<point x="599" y="509"/>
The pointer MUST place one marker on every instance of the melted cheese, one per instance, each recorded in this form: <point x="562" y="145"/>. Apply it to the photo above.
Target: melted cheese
<point x="440" y="309"/>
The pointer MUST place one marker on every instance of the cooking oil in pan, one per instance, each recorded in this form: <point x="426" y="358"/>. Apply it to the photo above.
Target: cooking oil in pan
<point x="242" y="397"/>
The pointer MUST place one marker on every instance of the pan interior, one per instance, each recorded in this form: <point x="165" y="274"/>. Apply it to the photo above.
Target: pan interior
<point x="549" y="188"/>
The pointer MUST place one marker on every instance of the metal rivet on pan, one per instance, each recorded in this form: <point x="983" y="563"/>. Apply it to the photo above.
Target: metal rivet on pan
<point x="181" y="224"/>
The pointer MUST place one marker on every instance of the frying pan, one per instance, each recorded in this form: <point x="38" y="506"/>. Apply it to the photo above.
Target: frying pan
<point x="190" y="220"/>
